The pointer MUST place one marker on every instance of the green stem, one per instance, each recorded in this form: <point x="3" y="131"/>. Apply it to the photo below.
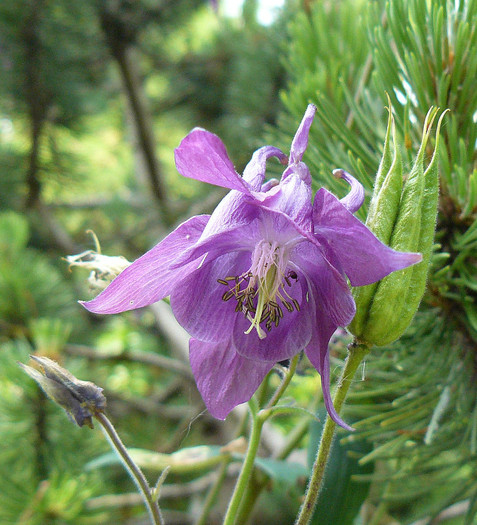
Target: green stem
<point x="133" y="470"/>
<point x="356" y="353"/>
<point x="284" y="384"/>
<point x="248" y="498"/>
<point x="257" y="421"/>
<point x="261" y="393"/>
<point x="254" y="490"/>
<point x="247" y="467"/>
<point x="255" y="487"/>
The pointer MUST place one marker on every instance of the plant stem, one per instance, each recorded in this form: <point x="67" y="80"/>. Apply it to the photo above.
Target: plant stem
<point x="285" y="382"/>
<point x="236" y="504"/>
<point x="243" y="497"/>
<point x="133" y="470"/>
<point x="356" y="353"/>
<point x="255" y="489"/>
<point x="247" y="467"/>
<point x="249" y="497"/>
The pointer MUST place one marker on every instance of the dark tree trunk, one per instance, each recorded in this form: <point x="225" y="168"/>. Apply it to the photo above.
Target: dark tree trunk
<point x="119" y="38"/>
<point x="36" y="98"/>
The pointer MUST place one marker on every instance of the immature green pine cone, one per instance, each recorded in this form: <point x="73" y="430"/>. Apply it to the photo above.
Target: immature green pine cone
<point x="406" y="221"/>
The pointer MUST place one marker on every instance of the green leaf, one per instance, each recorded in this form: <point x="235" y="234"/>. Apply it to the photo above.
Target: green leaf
<point x="282" y="470"/>
<point x="186" y="461"/>
<point x="341" y="497"/>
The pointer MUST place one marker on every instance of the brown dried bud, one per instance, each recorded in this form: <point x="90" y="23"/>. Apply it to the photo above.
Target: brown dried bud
<point x="80" y="399"/>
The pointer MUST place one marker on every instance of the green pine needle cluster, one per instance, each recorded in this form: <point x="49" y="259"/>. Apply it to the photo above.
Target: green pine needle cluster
<point x="34" y="286"/>
<point x="46" y="483"/>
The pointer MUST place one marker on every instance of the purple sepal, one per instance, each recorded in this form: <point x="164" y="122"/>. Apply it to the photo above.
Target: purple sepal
<point x="364" y="258"/>
<point x="151" y="277"/>
<point x="224" y="378"/>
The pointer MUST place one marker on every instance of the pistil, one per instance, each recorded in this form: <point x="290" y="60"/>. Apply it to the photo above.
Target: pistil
<point x="259" y="290"/>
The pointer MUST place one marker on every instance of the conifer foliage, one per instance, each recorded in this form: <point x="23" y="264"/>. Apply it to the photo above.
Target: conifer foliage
<point x="421" y="54"/>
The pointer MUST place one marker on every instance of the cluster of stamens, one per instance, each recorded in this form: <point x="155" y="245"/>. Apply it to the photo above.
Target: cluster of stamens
<point x="244" y="289"/>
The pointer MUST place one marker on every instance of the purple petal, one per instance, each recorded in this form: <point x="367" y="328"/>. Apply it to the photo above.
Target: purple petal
<point x="202" y="156"/>
<point x="291" y="335"/>
<point x="150" y="278"/>
<point x="254" y="172"/>
<point x="355" y="198"/>
<point x="318" y="352"/>
<point x="300" y="141"/>
<point x="241" y="238"/>
<point x="234" y="210"/>
<point x="197" y="302"/>
<point x="265" y="224"/>
<point x="364" y="258"/>
<point x="239" y="222"/>
<point x="327" y="287"/>
<point x="224" y="378"/>
<point x="300" y="223"/>
<point x="294" y="201"/>
<point x="301" y="170"/>
<point x="323" y="366"/>
<point x="267" y="186"/>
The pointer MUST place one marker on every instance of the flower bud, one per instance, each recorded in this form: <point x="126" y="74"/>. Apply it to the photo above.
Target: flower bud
<point x="406" y="221"/>
<point x="80" y="399"/>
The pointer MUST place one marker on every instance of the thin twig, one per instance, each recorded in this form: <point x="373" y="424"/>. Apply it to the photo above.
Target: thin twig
<point x="134" y="471"/>
<point x="147" y="358"/>
<point x="57" y="232"/>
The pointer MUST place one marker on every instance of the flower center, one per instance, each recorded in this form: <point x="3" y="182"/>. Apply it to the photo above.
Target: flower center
<point x="260" y="290"/>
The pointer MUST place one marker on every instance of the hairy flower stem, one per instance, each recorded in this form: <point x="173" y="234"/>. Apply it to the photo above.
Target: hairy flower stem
<point x="237" y="504"/>
<point x="133" y="470"/>
<point x="293" y="440"/>
<point x="356" y="353"/>
<point x="247" y="467"/>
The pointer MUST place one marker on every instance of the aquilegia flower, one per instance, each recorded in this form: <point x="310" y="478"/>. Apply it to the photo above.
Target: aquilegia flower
<point x="264" y="276"/>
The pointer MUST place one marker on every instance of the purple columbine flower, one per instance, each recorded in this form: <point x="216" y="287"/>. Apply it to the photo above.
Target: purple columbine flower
<point x="262" y="278"/>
